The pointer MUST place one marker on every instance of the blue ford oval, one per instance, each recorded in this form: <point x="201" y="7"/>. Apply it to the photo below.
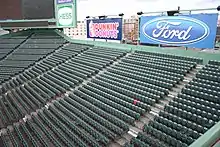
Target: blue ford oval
<point x="175" y="30"/>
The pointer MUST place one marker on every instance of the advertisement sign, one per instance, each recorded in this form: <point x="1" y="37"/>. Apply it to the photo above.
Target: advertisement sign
<point x="196" y="30"/>
<point x="109" y="28"/>
<point x="64" y="1"/>
<point x="65" y="14"/>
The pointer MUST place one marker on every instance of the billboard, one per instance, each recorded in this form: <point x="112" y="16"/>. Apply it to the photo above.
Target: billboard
<point x="15" y="13"/>
<point x="37" y="13"/>
<point x="66" y="15"/>
<point x="10" y="9"/>
<point x="26" y="9"/>
<point x="38" y="9"/>
<point x="196" y="30"/>
<point x="109" y="28"/>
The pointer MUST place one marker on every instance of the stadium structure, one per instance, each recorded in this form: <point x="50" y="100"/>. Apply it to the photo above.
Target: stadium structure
<point x="61" y="92"/>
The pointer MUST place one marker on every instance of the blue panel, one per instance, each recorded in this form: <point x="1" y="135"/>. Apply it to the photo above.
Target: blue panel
<point x="110" y="28"/>
<point x="196" y="30"/>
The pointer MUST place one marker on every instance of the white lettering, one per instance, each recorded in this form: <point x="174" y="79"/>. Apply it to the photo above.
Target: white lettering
<point x="163" y="30"/>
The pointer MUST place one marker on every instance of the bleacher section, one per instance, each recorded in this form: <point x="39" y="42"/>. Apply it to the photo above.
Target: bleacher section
<point x="132" y="86"/>
<point x="189" y="115"/>
<point x="51" y="78"/>
<point x="17" y="54"/>
<point x="83" y="95"/>
<point x="7" y="45"/>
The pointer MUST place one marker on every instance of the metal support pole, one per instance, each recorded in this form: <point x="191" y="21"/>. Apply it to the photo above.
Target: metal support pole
<point x="139" y="28"/>
<point x="123" y="30"/>
<point x="159" y="45"/>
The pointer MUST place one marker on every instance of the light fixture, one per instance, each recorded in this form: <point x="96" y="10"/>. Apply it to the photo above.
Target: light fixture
<point x="218" y="8"/>
<point x="140" y="13"/>
<point x="102" y="17"/>
<point x="121" y="14"/>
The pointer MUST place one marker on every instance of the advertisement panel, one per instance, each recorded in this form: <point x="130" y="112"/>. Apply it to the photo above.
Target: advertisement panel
<point x="196" y="30"/>
<point x="66" y="13"/>
<point x="109" y="28"/>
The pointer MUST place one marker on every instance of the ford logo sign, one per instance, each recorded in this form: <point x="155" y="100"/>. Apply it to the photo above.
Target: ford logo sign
<point x="175" y="30"/>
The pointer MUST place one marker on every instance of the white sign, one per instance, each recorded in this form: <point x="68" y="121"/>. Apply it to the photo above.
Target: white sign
<point x="65" y="16"/>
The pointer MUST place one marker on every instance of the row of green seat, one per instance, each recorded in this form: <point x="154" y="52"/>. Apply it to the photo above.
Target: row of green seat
<point x="8" y="46"/>
<point x="178" y="61"/>
<point x="46" y="41"/>
<point x="168" y="67"/>
<point x="192" y="59"/>
<point x="4" y="52"/>
<point x="163" y="72"/>
<point x="214" y="62"/>
<point x="11" y="40"/>
<point x="30" y="51"/>
<point x="174" y="64"/>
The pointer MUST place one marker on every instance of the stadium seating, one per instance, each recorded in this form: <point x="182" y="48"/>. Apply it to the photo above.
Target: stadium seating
<point x="51" y="78"/>
<point x="129" y="88"/>
<point x="189" y="115"/>
<point x="70" y="94"/>
<point x="7" y="46"/>
<point x="18" y="54"/>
